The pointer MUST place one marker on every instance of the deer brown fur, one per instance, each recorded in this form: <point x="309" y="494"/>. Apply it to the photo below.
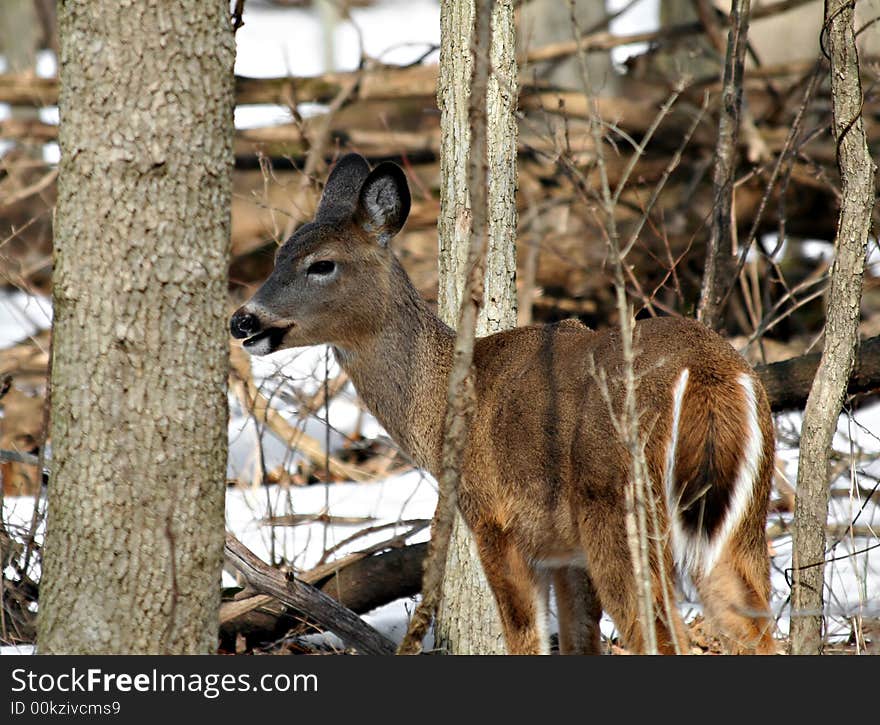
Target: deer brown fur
<point x="544" y="472"/>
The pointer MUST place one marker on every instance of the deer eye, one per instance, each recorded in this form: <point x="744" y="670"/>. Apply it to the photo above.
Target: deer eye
<point x="321" y="268"/>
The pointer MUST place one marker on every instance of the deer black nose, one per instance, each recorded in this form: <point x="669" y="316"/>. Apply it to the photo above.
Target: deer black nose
<point x="244" y="324"/>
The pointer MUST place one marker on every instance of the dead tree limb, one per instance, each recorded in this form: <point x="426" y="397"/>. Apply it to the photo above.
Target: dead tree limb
<point x="314" y="604"/>
<point x="788" y="382"/>
<point x="602" y="40"/>
<point x="841" y="327"/>
<point x="376" y="580"/>
<point x="361" y="586"/>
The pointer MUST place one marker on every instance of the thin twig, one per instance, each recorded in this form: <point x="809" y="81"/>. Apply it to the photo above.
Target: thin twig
<point x="237" y="15"/>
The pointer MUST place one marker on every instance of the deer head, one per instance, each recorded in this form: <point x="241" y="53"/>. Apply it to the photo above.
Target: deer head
<point x="332" y="278"/>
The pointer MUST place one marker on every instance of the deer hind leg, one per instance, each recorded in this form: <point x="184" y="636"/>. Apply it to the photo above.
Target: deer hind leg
<point x="735" y="596"/>
<point x="726" y="551"/>
<point x="611" y="571"/>
<point x="579" y="611"/>
<point x="520" y="591"/>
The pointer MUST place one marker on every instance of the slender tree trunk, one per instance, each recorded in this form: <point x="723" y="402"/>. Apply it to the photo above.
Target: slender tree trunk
<point x="468" y="620"/>
<point x="135" y="534"/>
<point x="841" y="329"/>
<point x="720" y="260"/>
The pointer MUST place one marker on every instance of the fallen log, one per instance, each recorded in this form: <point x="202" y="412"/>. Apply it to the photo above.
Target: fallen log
<point x="376" y="580"/>
<point x="788" y="382"/>
<point x="312" y="603"/>
<point x="23" y="89"/>
<point x="361" y="586"/>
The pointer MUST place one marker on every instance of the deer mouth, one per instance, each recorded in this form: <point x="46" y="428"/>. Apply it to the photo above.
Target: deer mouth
<point x="267" y="341"/>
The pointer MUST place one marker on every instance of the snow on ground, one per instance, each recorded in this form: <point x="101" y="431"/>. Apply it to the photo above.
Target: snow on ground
<point x="17" y="649"/>
<point x="22" y="315"/>
<point x="411" y="495"/>
<point x="852" y="572"/>
<point x="290" y="41"/>
<point x="280" y="377"/>
<point x="397" y="499"/>
<point x="639" y="17"/>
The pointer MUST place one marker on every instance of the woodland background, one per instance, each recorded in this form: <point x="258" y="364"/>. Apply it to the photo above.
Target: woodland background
<point x="338" y="504"/>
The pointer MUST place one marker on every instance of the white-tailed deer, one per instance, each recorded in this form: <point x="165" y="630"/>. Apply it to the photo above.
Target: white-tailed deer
<point x="543" y="473"/>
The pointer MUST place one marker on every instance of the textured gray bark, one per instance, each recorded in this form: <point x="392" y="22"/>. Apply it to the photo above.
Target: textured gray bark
<point x="841" y="330"/>
<point x="134" y="542"/>
<point x="468" y="621"/>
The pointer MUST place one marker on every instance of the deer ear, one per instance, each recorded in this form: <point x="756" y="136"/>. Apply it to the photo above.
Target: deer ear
<point x="340" y="196"/>
<point x="384" y="202"/>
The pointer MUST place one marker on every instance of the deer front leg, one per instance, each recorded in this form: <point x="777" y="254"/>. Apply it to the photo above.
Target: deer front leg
<point x="519" y="590"/>
<point x="579" y="611"/>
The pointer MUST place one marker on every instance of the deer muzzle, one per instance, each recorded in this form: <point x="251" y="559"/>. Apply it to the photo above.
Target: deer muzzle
<point x="258" y="339"/>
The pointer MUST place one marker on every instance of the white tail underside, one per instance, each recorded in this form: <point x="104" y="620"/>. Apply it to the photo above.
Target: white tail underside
<point x="695" y="553"/>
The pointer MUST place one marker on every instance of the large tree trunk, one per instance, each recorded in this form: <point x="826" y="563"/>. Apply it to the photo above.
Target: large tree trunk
<point x="841" y="330"/>
<point x="720" y="254"/>
<point x="467" y="621"/>
<point x="135" y="533"/>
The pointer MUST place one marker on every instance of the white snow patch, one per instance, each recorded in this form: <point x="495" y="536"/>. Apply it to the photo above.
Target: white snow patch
<point x="22" y="315"/>
<point x="17" y="649"/>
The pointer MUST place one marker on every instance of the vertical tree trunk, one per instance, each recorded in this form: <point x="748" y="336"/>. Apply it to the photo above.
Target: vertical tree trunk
<point x="135" y="529"/>
<point x="720" y="260"/>
<point x="468" y="621"/>
<point x="841" y="329"/>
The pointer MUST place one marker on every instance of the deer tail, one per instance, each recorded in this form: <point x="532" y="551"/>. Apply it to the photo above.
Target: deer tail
<point x="716" y="465"/>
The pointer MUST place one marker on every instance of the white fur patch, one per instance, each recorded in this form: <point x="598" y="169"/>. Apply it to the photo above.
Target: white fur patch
<point x="541" y="620"/>
<point x="260" y="347"/>
<point x="682" y="551"/>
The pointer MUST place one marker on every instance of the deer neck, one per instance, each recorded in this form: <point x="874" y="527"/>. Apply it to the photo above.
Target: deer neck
<point x="401" y="372"/>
